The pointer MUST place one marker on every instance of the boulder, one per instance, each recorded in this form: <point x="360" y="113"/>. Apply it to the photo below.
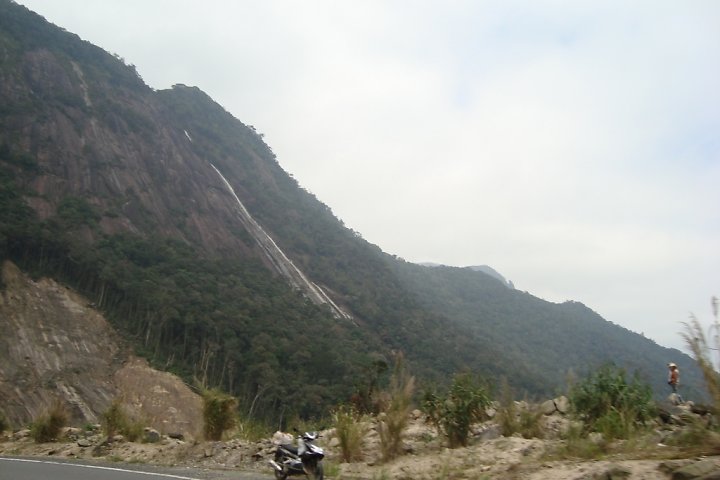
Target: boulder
<point x="696" y="470"/>
<point x="610" y="472"/>
<point x="488" y="432"/>
<point x="71" y="433"/>
<point x="562" y="404"/>
<point x="547" y="407"/>
<point x="20" y="434"/>
<point x="150" y="435"/>
<point x="280" y="438"/>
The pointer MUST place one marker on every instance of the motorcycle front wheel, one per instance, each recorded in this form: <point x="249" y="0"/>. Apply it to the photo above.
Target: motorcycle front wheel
<point x="315" y="472"/>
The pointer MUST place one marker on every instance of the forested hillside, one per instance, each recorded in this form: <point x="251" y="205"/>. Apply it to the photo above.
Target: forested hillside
<point x="109" y="186"/>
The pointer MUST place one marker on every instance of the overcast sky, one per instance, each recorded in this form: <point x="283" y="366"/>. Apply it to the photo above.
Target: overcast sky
<point x="572" y="146"/>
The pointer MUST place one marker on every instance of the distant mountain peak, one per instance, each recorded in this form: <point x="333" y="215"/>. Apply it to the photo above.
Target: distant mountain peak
<point x="477" y="268"/>
<point x="493" y="273"/>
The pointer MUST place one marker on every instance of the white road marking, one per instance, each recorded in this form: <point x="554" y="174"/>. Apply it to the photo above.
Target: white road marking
<point x="115" y="469"/>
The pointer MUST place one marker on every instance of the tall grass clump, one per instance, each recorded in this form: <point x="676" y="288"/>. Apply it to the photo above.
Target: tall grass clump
<point x="397" y="404"/>
<point x="455" y="411"/>
<point x="252" y="430"/>
<point x="611" y="404"/>
<point x="507" y="414"/>
<point x="350" y="429"/>
<point x="4" y="424"/>
<point x="48" y="426"/>
<point x="513" y="419"/>
<point x="578" y="445"/>
<point x="116" y="421"/>
<point x="218" y="413"/>
<point x="702" y="350"/>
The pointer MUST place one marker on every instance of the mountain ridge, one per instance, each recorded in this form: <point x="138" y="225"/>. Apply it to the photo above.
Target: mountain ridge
<point x="110" y="187"/>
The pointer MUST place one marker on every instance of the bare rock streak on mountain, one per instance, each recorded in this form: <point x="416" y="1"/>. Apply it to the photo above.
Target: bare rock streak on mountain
<point x="280" y="262"/>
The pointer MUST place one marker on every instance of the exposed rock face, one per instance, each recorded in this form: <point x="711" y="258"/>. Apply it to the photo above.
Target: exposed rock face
<point x="160" y="398"/>
<point x="54" y="346"/>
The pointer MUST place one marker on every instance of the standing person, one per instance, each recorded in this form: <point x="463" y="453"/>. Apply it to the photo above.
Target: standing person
<point x="674" y="380"/>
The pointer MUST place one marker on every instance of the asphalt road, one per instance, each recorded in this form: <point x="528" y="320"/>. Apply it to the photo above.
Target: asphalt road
<point x="43" y="469"/>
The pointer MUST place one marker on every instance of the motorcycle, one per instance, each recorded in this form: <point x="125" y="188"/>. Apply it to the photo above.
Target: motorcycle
<point x="305" y="459"/>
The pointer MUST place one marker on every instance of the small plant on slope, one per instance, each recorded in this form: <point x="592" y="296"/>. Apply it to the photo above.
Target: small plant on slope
<point x="454" y="412"/>
<point x="396" y="410"/>
<point x="350" y="430"/>
<point x="116" y="421"/>
<point x="218" y="413"/>
<point x="47" y="428"/>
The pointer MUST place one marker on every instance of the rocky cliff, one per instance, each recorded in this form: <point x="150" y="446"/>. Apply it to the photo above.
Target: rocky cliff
<point x="56" y="347"/>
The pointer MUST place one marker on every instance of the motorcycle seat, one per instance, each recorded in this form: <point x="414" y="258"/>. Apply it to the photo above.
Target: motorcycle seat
<point x="290" y="448"/>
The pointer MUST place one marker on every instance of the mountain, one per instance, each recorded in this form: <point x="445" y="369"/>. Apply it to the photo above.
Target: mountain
<point x="181" y="226"/>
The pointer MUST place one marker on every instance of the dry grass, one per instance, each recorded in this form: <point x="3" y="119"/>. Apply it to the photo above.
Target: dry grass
<point x="219" y="411"/>
<point x="47" y="427"/>
<point x="117" y="421"/>
<point x="396" y="411"/>
<point x="702" y="351"/>
<point x="350" y="428"/>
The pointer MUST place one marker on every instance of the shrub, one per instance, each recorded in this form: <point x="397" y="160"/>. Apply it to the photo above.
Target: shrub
<point x="116" y="421"/>
<point x="47" y="428"/>
<point x="611" y="405"/>
<point x="530" y="423"/>
<point x="350" y="430"/>
<point x="454" y="412"/>
<point x="396" y="410"/>
<point x="512" y="420"/>
<point x="218" y="413"/>
<point x="507" y="414"/>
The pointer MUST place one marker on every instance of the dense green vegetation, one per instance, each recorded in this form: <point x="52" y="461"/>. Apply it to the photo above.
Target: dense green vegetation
<point x="612" y="404"/>
<point x="227" y="323"/>
<point x="541" y="342"/>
